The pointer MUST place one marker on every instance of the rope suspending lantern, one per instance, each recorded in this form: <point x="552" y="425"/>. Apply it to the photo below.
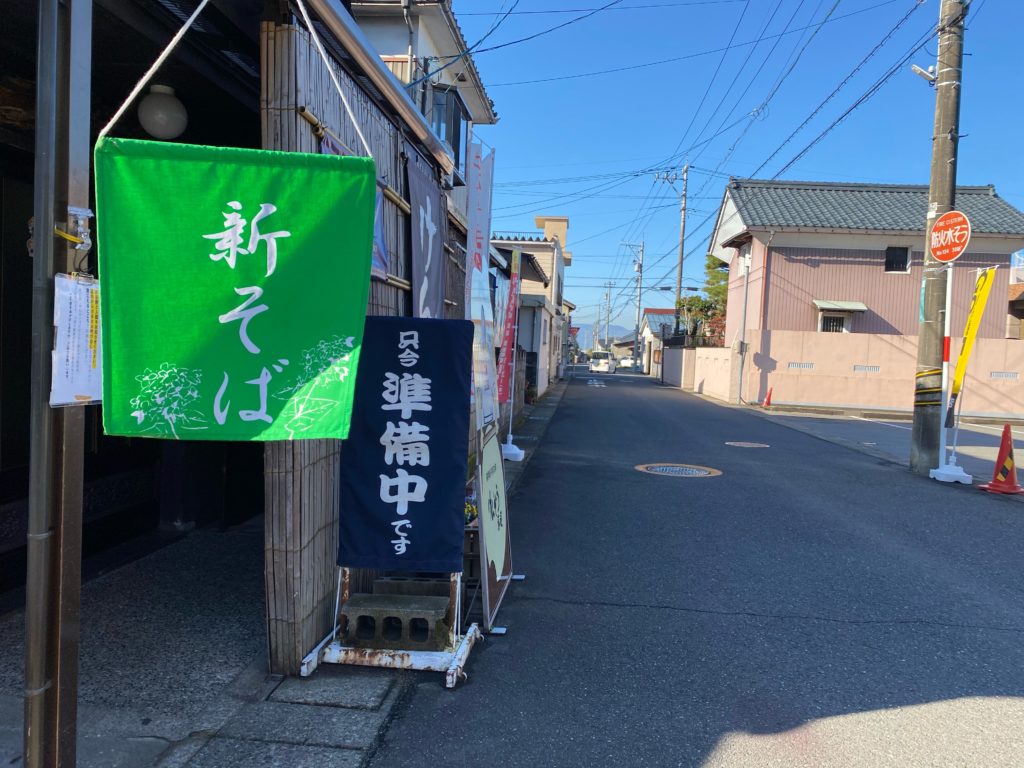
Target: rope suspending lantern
<point x="152" y="70"/>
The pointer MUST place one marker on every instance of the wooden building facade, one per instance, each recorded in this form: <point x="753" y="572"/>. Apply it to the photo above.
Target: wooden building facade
<point x="298" y="103"/>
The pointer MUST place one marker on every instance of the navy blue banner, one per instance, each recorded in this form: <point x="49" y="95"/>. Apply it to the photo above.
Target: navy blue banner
<point x="403" y="466"/>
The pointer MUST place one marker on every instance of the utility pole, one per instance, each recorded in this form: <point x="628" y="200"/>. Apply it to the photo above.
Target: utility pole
<point x="639" y="268"/>
<point x="607" y="312"/>
<point x="925" y="440"/>
<point x="671" y="178"/>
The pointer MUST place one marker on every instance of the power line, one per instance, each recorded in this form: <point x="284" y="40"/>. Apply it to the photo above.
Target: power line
<point x="759" y="109"/>
<point x="920" y="43"/>
<point x="645" y="214"/>
<point x="750" y="83"/>
<point x="613" y="175"/>
<point x="674" y="59"/>
<point x="711" y="82"/>
<point x="459" y="57"/>
<point x="568" y="179"/>
<point x="871" y="91"/>
<point x="547" y="31"/>
<point x="649" y="207"/>
<point x="564" y="199"/>
<point x="539" y="193"/>
<point x="841" y="85"/>
<point x="746" y="60"/>
<point x="622" y="8"/>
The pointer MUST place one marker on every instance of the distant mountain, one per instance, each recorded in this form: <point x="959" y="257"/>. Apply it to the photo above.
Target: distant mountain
<point x="586" y="335"/>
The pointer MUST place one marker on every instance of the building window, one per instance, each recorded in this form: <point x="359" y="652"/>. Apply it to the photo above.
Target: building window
<point x="450" y="121"/>
<point x="897" y="259"/>
<point x="833" y="323"/>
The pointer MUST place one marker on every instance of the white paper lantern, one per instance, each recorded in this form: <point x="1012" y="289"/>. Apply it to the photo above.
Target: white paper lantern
<point x="161" y="113"/>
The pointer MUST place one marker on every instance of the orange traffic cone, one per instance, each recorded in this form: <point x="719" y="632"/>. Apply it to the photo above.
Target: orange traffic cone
<point x="1004" y="479"/>
<point x="766" y="403"/>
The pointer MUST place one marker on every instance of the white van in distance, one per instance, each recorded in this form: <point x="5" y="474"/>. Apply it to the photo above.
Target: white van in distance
<point x="602" y="362"/>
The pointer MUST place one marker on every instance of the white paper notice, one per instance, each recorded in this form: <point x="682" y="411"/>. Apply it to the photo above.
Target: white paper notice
<point x="78" y="352"/>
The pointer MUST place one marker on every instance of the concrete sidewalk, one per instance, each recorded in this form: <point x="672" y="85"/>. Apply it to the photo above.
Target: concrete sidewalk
<point x="173" y="662"/>
<point x="890" y="440"/>
<point x="887" y="435"/>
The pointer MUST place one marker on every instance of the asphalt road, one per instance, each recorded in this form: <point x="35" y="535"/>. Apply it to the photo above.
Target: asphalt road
<point x="809" y="606"/>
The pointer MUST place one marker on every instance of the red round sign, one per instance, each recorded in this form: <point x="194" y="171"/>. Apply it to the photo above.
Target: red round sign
<point x="950" y="235"/>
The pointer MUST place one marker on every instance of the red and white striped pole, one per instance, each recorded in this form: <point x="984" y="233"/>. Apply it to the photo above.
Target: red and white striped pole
<point x="946" y="323"/>
<point x="947" y="471"/>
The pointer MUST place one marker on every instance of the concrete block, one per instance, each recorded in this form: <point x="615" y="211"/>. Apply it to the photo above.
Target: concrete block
<point x="232" y="753"/>
<point x="409" y="622"/>
<point x="407" y="585"/>
<point x="305" y="724"/>
<point x="338" y="686"/>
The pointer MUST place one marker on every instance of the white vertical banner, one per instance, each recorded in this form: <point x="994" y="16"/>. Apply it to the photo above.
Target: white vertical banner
<point x="479" y="180"/>
<point x="485" y="378"/>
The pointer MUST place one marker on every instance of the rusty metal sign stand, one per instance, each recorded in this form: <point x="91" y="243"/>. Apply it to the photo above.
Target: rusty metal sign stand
<point x="332" y="650"/>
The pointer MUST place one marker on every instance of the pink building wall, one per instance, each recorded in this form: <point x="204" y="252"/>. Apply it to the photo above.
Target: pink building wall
<point x="712" y="372"/>
<point x="739" y="287"/>
<point x="871" y="367"/>
<point x="797" y="276"/>
<point x="875" y="371"/>
<point x="781" y="297"/>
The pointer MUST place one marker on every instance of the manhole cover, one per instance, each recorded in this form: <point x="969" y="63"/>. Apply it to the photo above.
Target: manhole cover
<point x="677" y="470"/>
<point x="741" y="444"/>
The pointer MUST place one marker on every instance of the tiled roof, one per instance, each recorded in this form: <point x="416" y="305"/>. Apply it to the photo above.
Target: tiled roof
<point x="518" y="237"/>
<point x="884" y="207"/>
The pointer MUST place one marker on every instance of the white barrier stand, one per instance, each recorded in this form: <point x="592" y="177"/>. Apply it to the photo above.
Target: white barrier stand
<point x="511" y="452"/>
<point x="950" y="473"/>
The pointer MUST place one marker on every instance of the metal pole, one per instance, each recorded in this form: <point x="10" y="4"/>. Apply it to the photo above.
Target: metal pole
<point x="607" y="312"/>
<point x="924" y="451"/>
<point x="515" y="345"/>
<point x="743" y="322"/>
<point x="40" y="498"/>
<point x="682" y="240"/>
<point x="53" y="578"/>
<point x="946" y="317"/>
<point x="65" y="608"/>
<point x="639" y="295"/>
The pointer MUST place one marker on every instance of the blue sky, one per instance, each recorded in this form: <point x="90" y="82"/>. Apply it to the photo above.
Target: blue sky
<point x="589" y="147"/>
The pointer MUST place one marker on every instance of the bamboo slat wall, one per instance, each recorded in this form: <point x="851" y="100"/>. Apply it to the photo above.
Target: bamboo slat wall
<point x="301" y="478"/>
<point x="455" y="272"/>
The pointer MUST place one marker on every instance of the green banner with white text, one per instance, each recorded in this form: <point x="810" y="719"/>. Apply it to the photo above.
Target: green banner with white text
<point x="233" y="289"/>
